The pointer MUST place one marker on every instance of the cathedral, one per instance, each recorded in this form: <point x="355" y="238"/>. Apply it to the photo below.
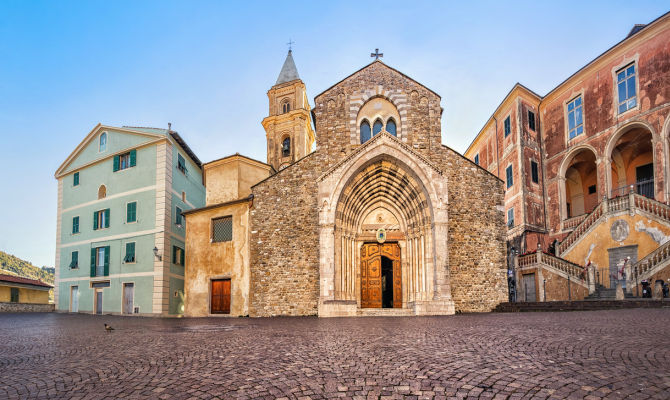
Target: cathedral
<point x="359" y="210"/>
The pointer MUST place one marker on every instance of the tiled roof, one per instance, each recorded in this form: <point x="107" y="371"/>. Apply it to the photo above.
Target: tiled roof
<point x="23" y="281"/>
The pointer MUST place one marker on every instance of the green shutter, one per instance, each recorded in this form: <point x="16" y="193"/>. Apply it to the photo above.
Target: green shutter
<point x="116" y="163"/>
<point x="133" y="157"/>
<point x="181" y="262"/>
<point x="107" y="218"/>
<point x="106" y="260"/>
<point x="174" y="254"/>
<point x="93" y="262"/>
<point x="131" y="212"/>
<point x="132" y="250"/>
<point x="95" y="220"/>
<point x="178" y="216"/>
<point x="76" y="179"/>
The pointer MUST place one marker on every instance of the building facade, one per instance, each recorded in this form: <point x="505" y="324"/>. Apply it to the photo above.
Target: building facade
<point x="120" y="230"/>
<point x="586" y="172"/>
<point x="367" y="213"/>
<point x="18" y="294"/>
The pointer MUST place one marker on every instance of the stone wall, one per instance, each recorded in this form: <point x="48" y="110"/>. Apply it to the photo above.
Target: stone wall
<point x="26" y="307"/>
<point x="284" y="244"/>
<point x="476" y="234"/>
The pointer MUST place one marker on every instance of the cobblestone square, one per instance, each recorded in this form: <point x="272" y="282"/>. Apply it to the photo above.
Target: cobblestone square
<point x="576" y="355"/>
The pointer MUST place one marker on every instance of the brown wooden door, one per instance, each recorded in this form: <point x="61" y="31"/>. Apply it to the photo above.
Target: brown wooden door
<point x="392" y="251"/>
<point x="371" y="276"/>
<point x="221" y="296"/>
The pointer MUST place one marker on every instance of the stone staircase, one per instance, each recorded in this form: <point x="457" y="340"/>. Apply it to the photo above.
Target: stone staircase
<point x="603" y="293"/>
<point x="557" y="265"/>
<point x="631" y="202"/>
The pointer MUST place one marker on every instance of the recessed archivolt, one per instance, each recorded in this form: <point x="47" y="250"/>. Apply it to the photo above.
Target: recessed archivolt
<point x="383" y="181"/>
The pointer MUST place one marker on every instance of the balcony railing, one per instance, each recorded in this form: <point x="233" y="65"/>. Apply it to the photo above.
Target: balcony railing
<point x="643" y="188"/>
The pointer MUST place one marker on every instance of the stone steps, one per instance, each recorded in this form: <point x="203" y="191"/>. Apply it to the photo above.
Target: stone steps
<point x="581" y="305"/>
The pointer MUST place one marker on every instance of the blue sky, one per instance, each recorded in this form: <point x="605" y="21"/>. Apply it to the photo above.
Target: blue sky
<point x="206" y="67"/>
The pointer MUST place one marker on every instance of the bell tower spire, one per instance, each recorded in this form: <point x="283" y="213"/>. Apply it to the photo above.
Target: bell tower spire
<point x="288" y="127"/>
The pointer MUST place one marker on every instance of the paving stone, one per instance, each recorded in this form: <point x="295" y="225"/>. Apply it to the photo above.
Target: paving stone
<point x="595" y="354"/>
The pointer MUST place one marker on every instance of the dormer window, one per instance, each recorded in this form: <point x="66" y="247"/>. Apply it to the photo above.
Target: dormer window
<point x="103" y="142"/>
<point x="285" y="107"/>
<point x="286" y="147"/>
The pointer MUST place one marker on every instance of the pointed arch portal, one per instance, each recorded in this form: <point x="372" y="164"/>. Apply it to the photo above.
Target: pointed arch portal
<point x="381" y="213"/>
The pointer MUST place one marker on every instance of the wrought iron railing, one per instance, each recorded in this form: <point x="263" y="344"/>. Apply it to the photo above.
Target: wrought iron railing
<point x="643" y="188"/>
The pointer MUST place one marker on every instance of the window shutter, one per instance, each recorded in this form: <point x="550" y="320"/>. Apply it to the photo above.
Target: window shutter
<point x="116" y="163"/>
<point x="181" y="262"/>
<point x="132" y="251"/>
<point x="133" y="157"/>
<point x="107" y="218"/>
<point x="106" y="260"/>
<point x="174" y="254"/>
<point x="95" y="220"/>
<point x="93" y="262"/>
<point x="76" y="179"/>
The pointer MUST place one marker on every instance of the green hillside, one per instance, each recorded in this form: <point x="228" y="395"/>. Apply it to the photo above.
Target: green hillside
<point x="17" y="266"/>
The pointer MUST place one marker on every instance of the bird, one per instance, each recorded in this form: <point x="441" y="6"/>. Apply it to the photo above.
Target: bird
<point x="108" y="328"/>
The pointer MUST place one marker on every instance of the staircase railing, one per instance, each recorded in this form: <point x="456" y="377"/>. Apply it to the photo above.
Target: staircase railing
<point x="576" y="272"/>
<point x="630" y="201"/>
<point x="656" y="257"/>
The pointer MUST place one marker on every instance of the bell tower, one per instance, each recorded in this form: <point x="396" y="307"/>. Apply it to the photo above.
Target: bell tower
<point x="288" y="127"/>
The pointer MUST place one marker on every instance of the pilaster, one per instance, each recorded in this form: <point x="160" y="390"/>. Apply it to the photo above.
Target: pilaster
<point x="160" y="303"/>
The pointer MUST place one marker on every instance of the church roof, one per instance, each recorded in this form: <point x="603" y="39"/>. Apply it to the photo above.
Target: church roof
<point x="288" y="72"/>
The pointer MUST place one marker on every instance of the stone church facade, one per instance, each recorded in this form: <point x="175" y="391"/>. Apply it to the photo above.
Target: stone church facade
<point x="366" y="212"/>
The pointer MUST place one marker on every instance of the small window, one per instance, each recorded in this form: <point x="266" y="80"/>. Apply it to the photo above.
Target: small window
<point x="181" y="164"/>
<point x="531" y="120"/>
<point x="286" y="147"/>
<point x="592" y="189"/>
<point x="102" y="192"/>
<point x="390" y="127"/>
<point x="365" y="131"/>
<point x="285" y="107"/>
<point x="575" y="118"/>
<point x="131" y="212"/>
<point x="222" y="229"/>
<point x="130" y="253"/>
<point x="75" y="179"/>
<point x="477" y="158"/>
<point x="125" y="160"/>
<point x="103" y="142"/>
<point x="508" y="126"/>
<point x="626" y="88"/>
<point x="510" y="217"/>
<point x="377" y="127"/>
<point x="14" y="297"/>
<point x="533" y="172"/>
<point x="75" y="225"/>
<point x="177" y="255"/>
<point x="178" y="218"/>
<point x="74" y="262"/>
<point x="101" y="219"/>
<point x="510" y="177"/>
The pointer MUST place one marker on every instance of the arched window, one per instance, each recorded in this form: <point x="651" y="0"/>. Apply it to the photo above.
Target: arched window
<point x="365" y="131"/>
<point x="286" y="147"/>
<point x="390" y="127"/>
<point x="103" y="142"/>
<point x="285" y="107"/>
<point x="102" y="192"/>
<point x="377" y="127"/>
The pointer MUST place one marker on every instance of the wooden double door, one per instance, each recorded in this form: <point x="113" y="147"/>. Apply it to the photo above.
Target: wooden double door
<point x="381" y="276"/>
<point x="220" y="303"/>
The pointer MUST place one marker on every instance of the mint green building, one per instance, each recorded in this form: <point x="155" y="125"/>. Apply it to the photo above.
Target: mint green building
<point x="120" y="234"/>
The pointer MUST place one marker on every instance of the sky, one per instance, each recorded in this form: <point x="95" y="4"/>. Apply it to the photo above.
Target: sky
<point x="206" y="67"/>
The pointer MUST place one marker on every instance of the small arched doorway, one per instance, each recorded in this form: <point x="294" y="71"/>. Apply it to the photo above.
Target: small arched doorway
<point x="580" y="192"/>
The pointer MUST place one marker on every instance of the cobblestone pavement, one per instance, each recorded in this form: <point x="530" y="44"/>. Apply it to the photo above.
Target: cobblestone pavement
<point x="609" y="354"/>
